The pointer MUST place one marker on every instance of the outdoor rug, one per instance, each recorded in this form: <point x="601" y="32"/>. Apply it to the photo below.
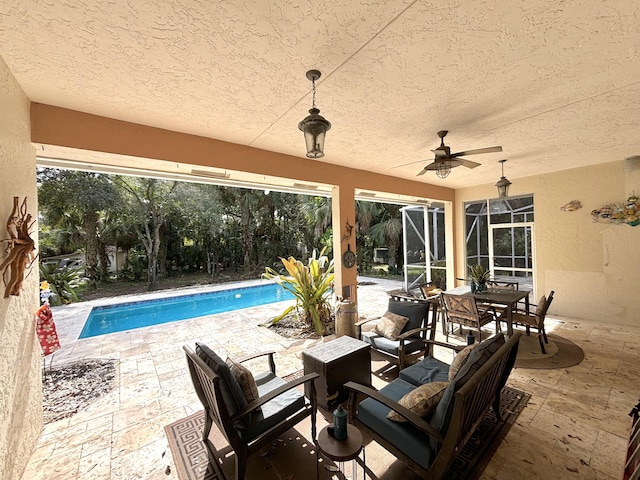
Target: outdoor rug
<point x="292" y="456"/>
<point x="561" y="353"/>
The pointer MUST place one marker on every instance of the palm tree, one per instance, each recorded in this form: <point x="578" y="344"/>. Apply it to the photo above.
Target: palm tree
<point x="388" y="231"/>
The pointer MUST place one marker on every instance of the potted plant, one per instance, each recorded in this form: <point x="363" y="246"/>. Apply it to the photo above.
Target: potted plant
<point x="479" y="277"/>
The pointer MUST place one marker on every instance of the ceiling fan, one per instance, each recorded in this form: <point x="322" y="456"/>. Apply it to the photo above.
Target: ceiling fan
<point x="444" y="160"/>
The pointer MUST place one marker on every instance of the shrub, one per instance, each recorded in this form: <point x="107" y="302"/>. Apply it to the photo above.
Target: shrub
<point x="310" y="285"/>
<point x="63" y="282"/>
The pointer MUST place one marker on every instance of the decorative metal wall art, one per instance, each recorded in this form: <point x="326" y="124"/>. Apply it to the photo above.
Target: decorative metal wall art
<point x="618" y="213"/>
<point x="20" y="248"/>
<point x="571" y="206"/>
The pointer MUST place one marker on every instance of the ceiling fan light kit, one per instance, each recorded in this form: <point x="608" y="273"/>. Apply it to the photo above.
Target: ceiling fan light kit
<point x="503" y="184"/>
<point x="443" y="169"/>
<point x="314" y="125"/>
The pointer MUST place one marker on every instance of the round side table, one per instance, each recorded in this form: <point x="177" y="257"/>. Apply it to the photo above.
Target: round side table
<point x="341" y="451"/>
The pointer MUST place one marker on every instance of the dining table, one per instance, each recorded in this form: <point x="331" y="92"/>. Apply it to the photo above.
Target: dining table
<point x="499" y="296"/>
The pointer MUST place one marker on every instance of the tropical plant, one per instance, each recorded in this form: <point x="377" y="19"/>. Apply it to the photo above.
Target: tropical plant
<point x="478" y="274"/>
<point x="310" y="285"/>
<point x="63" y="282"/>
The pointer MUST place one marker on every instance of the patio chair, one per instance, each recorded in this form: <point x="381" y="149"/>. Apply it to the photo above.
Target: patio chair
<point x="498" y="285"/>
<point x="247" y="426"/>
<point x="409" y="344"/>
<point x="534" y="320"/>
<point x="432" y="293"/>
<point x="465" y="311"/>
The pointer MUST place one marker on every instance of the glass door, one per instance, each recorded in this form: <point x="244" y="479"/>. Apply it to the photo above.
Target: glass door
<point x="511" y="255"/>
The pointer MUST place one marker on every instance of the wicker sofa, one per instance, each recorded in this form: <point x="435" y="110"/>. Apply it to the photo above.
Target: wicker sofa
<point x="429" y="445"/>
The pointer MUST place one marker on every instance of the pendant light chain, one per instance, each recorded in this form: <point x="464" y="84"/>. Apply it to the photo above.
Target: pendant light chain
<point x="313" y="89"/>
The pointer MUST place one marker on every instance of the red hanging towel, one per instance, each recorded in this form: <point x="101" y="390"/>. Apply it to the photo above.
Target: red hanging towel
<point x="46" y="330"/>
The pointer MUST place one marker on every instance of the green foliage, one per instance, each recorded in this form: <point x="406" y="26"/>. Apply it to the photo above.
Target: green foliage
<point x="63" y="282"/>
<point x="135" y="268"/>
<point x="478" y="274"/>
<point x="311" y="286"/>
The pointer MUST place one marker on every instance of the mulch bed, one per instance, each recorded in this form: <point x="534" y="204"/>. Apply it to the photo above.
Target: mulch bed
<point x="292" y="326"/>
<point x="71" y="387"/>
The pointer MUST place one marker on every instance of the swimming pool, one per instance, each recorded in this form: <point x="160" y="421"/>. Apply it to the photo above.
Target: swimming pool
<point x="127" y="316"/>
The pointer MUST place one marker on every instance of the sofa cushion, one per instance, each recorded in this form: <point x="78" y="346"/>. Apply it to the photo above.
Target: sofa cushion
<point x="231" y="392"/>
<point x="421" y="400"/>
<point x="411" y="344"/>
<point x="426" y="371"/>
<point x="414" y="311"/>
<point x="459" y="360"/>
<point x="403" y="436"/>
<point x="274" y="411"/>
<point x="478" y="356"/>
<point x="245" y="379"/>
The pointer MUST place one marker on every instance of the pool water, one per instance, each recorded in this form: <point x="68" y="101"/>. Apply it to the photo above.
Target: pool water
<point x="127" y="316"/>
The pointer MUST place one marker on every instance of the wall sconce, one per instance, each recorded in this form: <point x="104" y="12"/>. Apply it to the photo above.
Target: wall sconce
<point x="503" y="184"/>
<point x="314" y="125"/>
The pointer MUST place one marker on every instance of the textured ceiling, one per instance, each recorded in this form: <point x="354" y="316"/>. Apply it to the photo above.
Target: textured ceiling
<point x="556" y="83"/>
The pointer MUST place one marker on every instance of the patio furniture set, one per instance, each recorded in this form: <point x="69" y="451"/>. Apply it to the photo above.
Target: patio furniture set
<point x="423" y="417"/>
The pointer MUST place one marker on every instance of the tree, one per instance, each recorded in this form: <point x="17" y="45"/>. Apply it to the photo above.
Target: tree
<point x="77" y="201"/>
<point x="149" y="202"/>
<point x="388" y="231"/>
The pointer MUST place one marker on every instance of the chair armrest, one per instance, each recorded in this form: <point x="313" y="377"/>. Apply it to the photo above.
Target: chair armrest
<point x="457" y="348"/>
<point x="255" y="355"/>
<point x="272" y="364"/>
<point x="411" y="417"/>
<point x="359" y="324"/>
<point x="411" y="333"/>
<point x="274" y="393"/>
<point x="367" y="320"/>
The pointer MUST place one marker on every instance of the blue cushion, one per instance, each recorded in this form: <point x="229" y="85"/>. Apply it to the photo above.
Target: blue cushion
<point x="274" y="411"/>
<point x="426" y="371"/>
<point x="232" y="394"/>
<point x="478" y="356"/>
<point x="415" y="312"/>
<point x="391" y="346"/>
<point x="402" y="435"/>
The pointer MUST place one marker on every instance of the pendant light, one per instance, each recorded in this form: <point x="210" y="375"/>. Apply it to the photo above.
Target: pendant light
<point x="314" y="125"/>
<point x="503" y="184"/>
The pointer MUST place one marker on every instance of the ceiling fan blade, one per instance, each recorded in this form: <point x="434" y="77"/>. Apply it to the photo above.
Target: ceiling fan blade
<point x="423" y="171"/>
<point x="410" y="163"/>
<point x="477" y="151"/>
<point x="468" y="163"/>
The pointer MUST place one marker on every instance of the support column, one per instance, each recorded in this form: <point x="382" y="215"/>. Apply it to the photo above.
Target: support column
<point x="343" y="207"/>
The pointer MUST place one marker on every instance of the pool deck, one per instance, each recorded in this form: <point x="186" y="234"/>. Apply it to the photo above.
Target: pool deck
<point x="576" y="420"/>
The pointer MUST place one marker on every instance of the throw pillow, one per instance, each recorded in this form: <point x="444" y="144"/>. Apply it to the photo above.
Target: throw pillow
<point x="421" y="400"/>
<point x="390" y="325"/>
<point x="459" y="360"/>
<point x="245" y="379"/>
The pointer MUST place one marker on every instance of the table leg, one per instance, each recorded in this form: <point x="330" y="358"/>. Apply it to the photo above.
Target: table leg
<point x="510" y="320"/>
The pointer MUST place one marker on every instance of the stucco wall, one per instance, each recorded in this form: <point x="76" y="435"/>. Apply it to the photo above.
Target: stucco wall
<point x="20" y="381"/>
<point x="594" y="268"/>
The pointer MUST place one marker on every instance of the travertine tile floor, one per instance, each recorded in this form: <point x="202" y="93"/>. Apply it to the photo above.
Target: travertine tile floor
<point x="574" y="427"/>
